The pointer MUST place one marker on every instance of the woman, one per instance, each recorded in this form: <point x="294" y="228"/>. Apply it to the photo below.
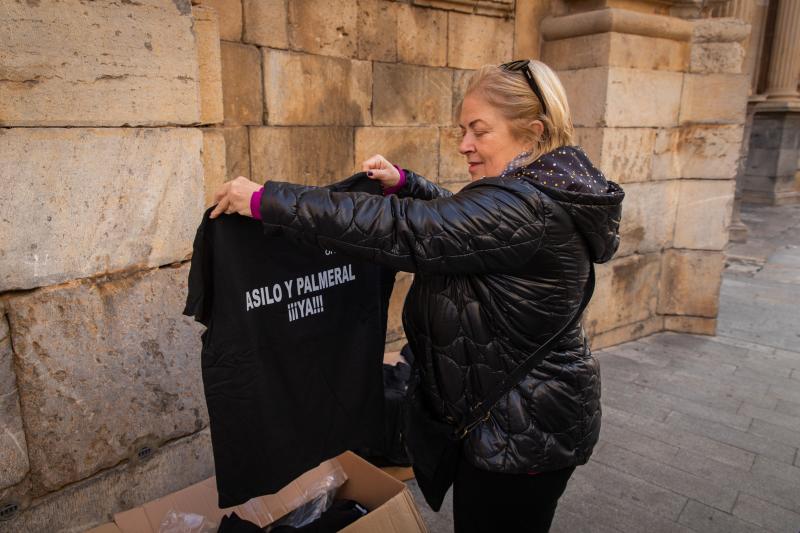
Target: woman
<point x="500" y="266"/>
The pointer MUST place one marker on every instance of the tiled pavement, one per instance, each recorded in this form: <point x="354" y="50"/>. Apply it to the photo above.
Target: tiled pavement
<point x="702" y="433"/>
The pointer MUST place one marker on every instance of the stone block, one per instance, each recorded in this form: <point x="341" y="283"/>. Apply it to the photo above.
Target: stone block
<point x="648" y="220"/>
<point x="697" y="151"/>
<point x="241" y="84"/>
<point x="98" y="64"/>
<point x="377" y="30"/>
<point x="103" y="368"/>
<point x="324" y="90"/>
<point x="95" y="500"/>
<point x="394" y="326"/>
<point x="626" y="292"/>
<point x="318" y="28"/>
<point x="704" y="214"/>
<point x="206" y="28"/>
<point x="81" y="202"/>
<point x="411" y="148"/>
<point x="627" y="333"/>
<point x="495" y="8"/>
<point x="460" y="82"/>
<point x="613" y="49"/>
<point x="712" y="58"/>
<point x="421" y="36"/>
<point x="690" y="282"/>
<point x="13" y="448"/>
<point x="406" y="95"/>
<point x="625" y="155"/>
<point x="719" y="30"/>
<point x="237" y="152"/>
<point x="229" y="13"/>
<point x="474" y="41"/>
<point x="215" y="172"/>
<point x="452" y="164"/>
<point x="695" y="325"/>
<point x="311" y="156"/>
<point x="714" y="99"/>
<point x="265" y="23"/>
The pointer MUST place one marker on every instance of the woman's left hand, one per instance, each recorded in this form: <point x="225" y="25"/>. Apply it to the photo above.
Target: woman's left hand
<point x="234" y="197"/>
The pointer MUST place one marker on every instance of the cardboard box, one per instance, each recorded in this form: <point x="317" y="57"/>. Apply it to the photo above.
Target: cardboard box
<point x="391" y="506"/>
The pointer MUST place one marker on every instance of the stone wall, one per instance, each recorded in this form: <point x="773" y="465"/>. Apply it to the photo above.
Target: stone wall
<point x="119" y="120"/>
<point x="659" y="104"/>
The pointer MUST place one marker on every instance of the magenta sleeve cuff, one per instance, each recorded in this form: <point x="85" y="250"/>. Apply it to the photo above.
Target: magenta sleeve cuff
<point x="400" y="183"/>
<point x="255" y="203"/>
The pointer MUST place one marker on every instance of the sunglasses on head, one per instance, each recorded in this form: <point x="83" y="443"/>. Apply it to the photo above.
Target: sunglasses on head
<point x="521" y="65"/>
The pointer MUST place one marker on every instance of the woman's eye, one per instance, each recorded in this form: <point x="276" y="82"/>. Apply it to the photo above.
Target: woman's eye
<point x="480" y="133"/>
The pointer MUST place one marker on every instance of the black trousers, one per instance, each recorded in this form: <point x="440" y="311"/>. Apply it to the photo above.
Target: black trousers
<point x="491" y="502"/>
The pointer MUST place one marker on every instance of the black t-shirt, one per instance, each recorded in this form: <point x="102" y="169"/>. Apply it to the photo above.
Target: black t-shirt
<point x="292" y="355"/>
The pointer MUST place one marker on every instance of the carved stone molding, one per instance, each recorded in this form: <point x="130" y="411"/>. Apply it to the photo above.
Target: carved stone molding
<point x="494" y="8"/>
<point x="616" y="20"/>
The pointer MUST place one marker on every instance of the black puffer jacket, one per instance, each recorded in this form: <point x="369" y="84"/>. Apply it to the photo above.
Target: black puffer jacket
<point x="500" y="266"/>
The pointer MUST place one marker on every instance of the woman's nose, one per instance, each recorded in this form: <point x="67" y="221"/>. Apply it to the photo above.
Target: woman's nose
<point x="465" y="146"/>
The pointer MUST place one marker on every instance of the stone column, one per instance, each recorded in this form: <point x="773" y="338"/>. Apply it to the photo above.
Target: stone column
<point x="784" y="65"/>
<point x="774" y="146"/>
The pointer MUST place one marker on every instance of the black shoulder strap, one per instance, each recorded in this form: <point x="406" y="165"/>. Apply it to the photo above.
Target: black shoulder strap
<point x="480" y="412"/>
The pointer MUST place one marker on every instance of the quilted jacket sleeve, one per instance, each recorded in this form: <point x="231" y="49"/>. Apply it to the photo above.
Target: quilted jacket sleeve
<point x="420" y="188"/>
<point x="486" y="228"/>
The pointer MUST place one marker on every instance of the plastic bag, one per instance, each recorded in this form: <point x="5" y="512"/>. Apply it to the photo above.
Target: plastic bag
<point x="315" y="500"/>
<point x="178" y="522"/>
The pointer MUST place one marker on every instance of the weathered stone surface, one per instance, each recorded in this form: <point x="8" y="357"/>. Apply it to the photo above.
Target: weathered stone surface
<point x="411" y="148"/>
<point x="377" y="30"/>
<point x="657" y="95"/>
<point x="324" y="90"/>
<point x="229" y="13"/>
<point x="421" y="36"/>
<point x="206" y="28"/>
<point x="700" y="151"/>
<point x="214" y="169"/>
<point x="626" y="333"/>
<point x="496" y="8"/>
<point x="95" y="500"/>
<point x="316" y="27"/>
<point x="104" y="368"/>
<point x="133" y="63"/>
<point x="625" y="155"/>
<point x="690" y="282"/>
<point x="717" y="30"/>
<point x="138" y="194"/>
<point x="626" y="292"/>
<point x="237" y="151"/>
<point x="460" y="81"/>
<point x="282" y="154"/>
<point x="406" y="95"/>
<point x="452" y="164"/>
<point x="265" y="23"/>
<point x="711" y="58"/>
<point x="616" y="50"/>
<point x="394" y="326"/>
<point x="13" y="449"/>
<point x="241" y="84"/>
<point x="714" y="98"/>
<point x="474" y="41"/>
<point x="649" y="213"/>
<point x="691" y="324"/>
<point x="704" y="214"/>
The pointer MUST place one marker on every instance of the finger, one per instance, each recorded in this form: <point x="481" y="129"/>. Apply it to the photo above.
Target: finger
<point x="376" y="161"/>
<point x="222" y="207"/>
<point x="221" y="192"/>
<point x="382" y="174"/>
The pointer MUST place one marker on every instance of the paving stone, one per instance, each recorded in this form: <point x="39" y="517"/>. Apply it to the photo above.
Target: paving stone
<point x="325" y="90"/>
<point x="103" y="368"/>
<point x="774" y="417"/>
<point x="73" y="63"/>
<point x="788" y="408"/>
<point x="707" y="519"/>
<point x="137" y="194"/>
<point x="734" y="437"/>
<point x="667" y="477"/>
<point x="567" y="521"/>
<point x="408" y="95"/>
<point x="635" y="442"/>
<point x="765" y="514"/>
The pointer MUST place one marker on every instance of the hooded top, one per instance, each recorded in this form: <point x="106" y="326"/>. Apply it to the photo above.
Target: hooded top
<point x="499" y="267"/>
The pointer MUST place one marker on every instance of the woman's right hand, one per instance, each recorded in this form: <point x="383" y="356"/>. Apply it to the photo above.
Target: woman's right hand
<point x="379" y="168"/>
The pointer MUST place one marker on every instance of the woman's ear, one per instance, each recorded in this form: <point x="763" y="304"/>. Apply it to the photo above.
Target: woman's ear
<point x="538" y="129"/>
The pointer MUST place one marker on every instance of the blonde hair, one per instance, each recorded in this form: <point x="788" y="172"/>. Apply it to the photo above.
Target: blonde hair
<point x="509" y="92"/>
